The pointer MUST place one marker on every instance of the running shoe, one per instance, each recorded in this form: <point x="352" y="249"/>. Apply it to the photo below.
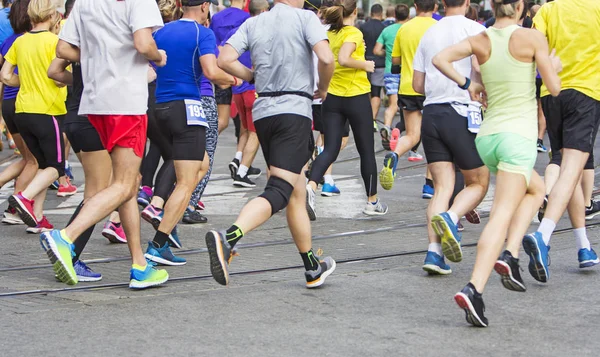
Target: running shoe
<point x="54" y="185"/>
<point x="114" y="232"/>
<point x="447" y="231"/>
<point x="11" y="216"/>
<point x="245" y="181"/>
<point x="234" y="165"/>
<point x="174" y="238"/>
<point x="85" y="273"/>
<point x="61" y="255"/>
<point x="193" y="217"/>
<point x="219" y="253"/>
<point x="540" y="146"/>
<point x="254" y="172"/>
<point x="330" y="190"/>
<point x="162" y="255"/>
<point x="593" y="210"/>
<point x="376" y="208"/>
<point x="41" y="227"/>
<point x="414" y="156"/>
<point x="534" y="246"/>
<point x="147" y="278"/>
<point x="316" y="278"/>
<point x="66" y="190"/>
<point x="587" y="258"/>
<point x="11" y="144"/>
<point x="436" y="265"/>
<point x="69" y="172"/>
<point x="200" y="206"/>
<point x="542" y="210"/>
<point x="460" y="227"/>
<point x="385" y="138"/>
<point x="310" y="203"/>
<point x="427" y="192"/>
<point x="24" y="207"/>
<point x="144" y="196"/>
<point x="394" y="138"/>
<point x="152" y="215"/>
<point x="508" y="268"/>
<point x="473" y="217"/>
<point x="388" y="173"/>
<point x="471" y="301"/>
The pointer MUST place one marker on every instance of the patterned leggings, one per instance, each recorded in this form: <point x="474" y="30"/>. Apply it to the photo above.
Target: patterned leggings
<point x="212" y="134"/>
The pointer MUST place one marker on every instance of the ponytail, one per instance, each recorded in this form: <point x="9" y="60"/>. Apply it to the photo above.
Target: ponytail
<point x="505" y="8"/>
<point x="170" y="10"/>
<point x="334" y="15"/>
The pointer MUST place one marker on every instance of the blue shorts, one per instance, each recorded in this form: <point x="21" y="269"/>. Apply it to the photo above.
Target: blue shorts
<point x="392" y="83"/>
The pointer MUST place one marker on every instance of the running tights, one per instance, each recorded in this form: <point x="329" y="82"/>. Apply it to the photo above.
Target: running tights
<point x="150" y="165"/>
<point x="83" y="239"/>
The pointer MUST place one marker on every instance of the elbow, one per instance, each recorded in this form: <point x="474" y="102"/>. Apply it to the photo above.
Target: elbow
<point x="5" y="77"/>
<point x="418" y="88"/>
<point x="327" y="60"/>
<point x="343" y="61"/>
<point x="436" y="61"/>
<point x="555" y="91"/>
<point x="210" y="73"/>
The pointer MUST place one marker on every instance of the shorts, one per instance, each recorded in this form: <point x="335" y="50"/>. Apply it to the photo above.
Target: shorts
<point x="392" y="83"/>
<point x="188" y="142"/>
<point x="223" y="96"/>
<point x="508" y="152"/>
<point x="43" y="136"/>
<point x="538" y="87"/>
<point x="8" y="113"/>
<point x="572" y="120"/>
<point x="411" y="103"/>
<point x="244" y="102"/>
<point x="81" y="134"/>
<point x="286" y="141"/>
<point x="446" y="138"/>
<point x="126" y="131"/>
<point x="318" y="121"/>
<point x="377" y="82"/>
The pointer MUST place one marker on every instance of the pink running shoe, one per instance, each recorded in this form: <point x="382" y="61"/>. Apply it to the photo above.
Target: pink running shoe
<point x="394" y="139"/>
<point x="151" y="215"/>
<point x="66" y="190"/>
<point x="24" y="207"/>
<point x="200" y="206"/>
<point x="42" y="227"/>
<point x="473" y="217"/>
<point x="114" y="232"/>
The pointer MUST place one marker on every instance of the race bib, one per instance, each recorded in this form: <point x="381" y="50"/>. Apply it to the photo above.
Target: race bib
<point x="474" y="120"/>
<point x="195" y="113"/>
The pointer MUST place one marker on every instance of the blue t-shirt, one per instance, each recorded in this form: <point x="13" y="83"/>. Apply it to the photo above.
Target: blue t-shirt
<point x="10" y="92"/>
<point x="184" y="41"/>
<point x="5" y="28"/>
<point x="227" y="20"/>
<point x="244" y="59"/>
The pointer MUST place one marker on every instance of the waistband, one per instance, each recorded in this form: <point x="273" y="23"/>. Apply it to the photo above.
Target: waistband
<point x="282" y="93"/>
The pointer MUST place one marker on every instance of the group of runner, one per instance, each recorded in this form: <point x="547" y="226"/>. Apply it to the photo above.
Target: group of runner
<point x="168" y="72"/>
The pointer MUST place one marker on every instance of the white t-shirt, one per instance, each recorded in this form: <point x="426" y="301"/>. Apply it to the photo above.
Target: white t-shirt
<point x="447" y="32"/>
<point x="114" y="73"/>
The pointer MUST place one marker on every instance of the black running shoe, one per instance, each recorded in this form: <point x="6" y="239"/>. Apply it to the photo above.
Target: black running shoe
<point x="471" y="301"/>
<point x="243" y="181"/>
<point x="593" y="210"/>
<point x="219" y="253"/>
<point x="254" y="172"/>
<point x="385" y="138"/>
<point x="542" y="210"/>
<point x="508" y="268"/>
<point x="233" y="167"/>
<point x="193" y="217"/>
<point x="316" y="278"/>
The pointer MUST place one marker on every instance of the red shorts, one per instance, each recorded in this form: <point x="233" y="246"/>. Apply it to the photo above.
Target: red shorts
<point x="127" y="131"/>
<point x="244" y="103"/>
<point x="233" y="112"/>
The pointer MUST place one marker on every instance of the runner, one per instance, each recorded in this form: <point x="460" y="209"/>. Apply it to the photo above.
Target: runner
<point x="6" y="30"/>
<point x="390" y="17"/>
<point x="115" y="100"/>
<point x="282" y="119"/>
<point x="506" y="142"/>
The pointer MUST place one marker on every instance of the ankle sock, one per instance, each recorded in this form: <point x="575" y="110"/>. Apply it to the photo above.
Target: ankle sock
<point x="242" y="171"/>
<point x="161" y="238"/>
<point x="64" y="236"/>
<point x="435" y="248"/>
<point x="453" y="216"/>
<point x="234" y="234"/>
<point x="429" y="182"/>
<point x="139" y="267"/>
<point x="546" y="228"/>
<point x="581" y="238"/>
<point x="238" y="155"/>
<point x="310" y="260"/>
<point x="329" y="180"/>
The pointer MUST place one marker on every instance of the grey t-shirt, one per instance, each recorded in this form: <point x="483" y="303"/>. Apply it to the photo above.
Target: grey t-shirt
<point x="280" y="43"/>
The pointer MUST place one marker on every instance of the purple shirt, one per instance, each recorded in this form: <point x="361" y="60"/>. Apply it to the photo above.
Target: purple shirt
<point x="437" y="16"/>
<point x="10" y="92"/>
<point x="244" y="59"/>
<point x="227" y="20"/>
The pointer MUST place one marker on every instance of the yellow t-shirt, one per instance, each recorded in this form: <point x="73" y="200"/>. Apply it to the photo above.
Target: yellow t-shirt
<point x="571" y="28"/>
<point x="405" y="46"/>
<point x="348" y="82"/>
<point x="32" y="53"/>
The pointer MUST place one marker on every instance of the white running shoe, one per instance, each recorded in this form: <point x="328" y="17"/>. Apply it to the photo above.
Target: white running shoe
<point x="310" y="203"/>
<point x="377" y="209"/>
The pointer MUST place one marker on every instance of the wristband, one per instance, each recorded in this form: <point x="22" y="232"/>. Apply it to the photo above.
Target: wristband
<point x="235" y="82"/>
<point x="466" y="85"/>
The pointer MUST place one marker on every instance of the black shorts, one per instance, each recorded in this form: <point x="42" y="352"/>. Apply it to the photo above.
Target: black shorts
<point x="286" y="141"/>
<point x="318" y="120"/>
<point x="223" y="96"/>
<point x="411" y="102"/>
<point x="81" y="133"/>
<point x="572" y="120"/>
<point x="538" y="87"/>
<point x="188" y="142"/>
<point x="43" y="136"/>
<point x="446" y="138"/>
<point x="8" y="113"/>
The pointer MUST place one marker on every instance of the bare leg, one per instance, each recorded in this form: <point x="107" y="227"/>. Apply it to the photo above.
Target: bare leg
<point x="31" y="165"/>
<point x="413" y="132"/>
<point x="250" y="149"/>
<point x="391" y="111"/>
<point x="551" y="176"/>
<point x="223" y="110"/>
<point x="587" y="183"/>
<point x="297" y="217"/>
<point x="443" y="180"/>
<point x="476" y="186"/>
<point x="541" y="121"/>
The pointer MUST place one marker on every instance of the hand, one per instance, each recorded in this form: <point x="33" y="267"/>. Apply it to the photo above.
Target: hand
<point x="477" y="93"/>
<point x="163" y="58"/>
<point x="370" y="66"/>
<point x="320" y="94"/>
<point x="238" y="82"/>
<point x="556" y="63"/>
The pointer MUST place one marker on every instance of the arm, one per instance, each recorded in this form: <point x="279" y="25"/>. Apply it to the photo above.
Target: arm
<point x="379" y="50"/>
<point x="228" y="62"/>
<point x="419" y="82"/>
<point x="548" y="64"/>
<point x="325" y="67"/>
<point x="345" y="58"/>
<point x="8" y="76"/>
<point x="145" y="45"/>
<point x="58" y="71"/>
<point x="67" y="51"/>
<point x="151" y="74"/>
<point x="216" y="74"/>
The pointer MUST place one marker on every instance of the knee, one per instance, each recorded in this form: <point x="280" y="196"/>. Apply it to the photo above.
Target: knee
<point x="126" y="190"/>
<point x="278" y="193"/>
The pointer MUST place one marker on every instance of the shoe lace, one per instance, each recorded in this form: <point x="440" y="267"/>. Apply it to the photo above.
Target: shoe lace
<point x="233" y="253"/>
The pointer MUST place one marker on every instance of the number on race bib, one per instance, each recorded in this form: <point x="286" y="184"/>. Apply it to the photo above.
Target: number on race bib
<point x="195" y="113"/>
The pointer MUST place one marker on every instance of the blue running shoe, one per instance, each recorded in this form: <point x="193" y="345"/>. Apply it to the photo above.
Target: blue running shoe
<point x="534" y="246"/>
<point x="436" y="265"/>
<point x="147" y="278"/>
<point x="587" y="258"/>
<point x="69" y="173"/>
<point x="144" y="196"/>
<point x="162" y="255"/>
<point x="428" y="192"/>
<point x="330" y="190"/>
<point x="84" y="273"/>
<point x="388" y="173"/>
<point x="61" y="255"/>
<point x="448" y="233"/>
<point x="174" y="238"/>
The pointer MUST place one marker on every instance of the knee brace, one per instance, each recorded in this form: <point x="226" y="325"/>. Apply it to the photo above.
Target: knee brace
<point x="278" y="193"/>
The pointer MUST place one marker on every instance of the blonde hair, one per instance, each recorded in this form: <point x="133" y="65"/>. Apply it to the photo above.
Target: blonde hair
<point x="170" y="10"/>
<point x="505" y="10"/>
<point x="41" y="11"/>
<point x="55" y="26"/>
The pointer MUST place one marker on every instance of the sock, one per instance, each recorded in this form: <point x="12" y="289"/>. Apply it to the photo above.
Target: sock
<point x="310" y="260"/>
<point x="234" y="234"/>
<point x="242" y="171"/>
<point x="64" y="236"/>
<point x="590" y="206"/>
<point x="329" y="180"/>
<point x="477" y="293"/>
<point x="453" y="216"/>
<point x="238" y="155"/>
<point x="66" y="164"/>
<point x="429" y="182"/>
<point x="436" y="248"/>
<point x="375" y="202"/>
<point x="546" y="228"/>
<point x="161" y="238"/>
<point x="139" y="267"/>
<point x="540" y="142"/>
<point x="581" y="238"/>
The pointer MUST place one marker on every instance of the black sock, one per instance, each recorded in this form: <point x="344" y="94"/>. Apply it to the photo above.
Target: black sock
<point x="234" y="234"/>
<point x="161" y="238"/>
<point x="429" y="182"/>
<point x="477" y="293"/>
<point x="117" y="224"/>
<point x="310" y="260"/>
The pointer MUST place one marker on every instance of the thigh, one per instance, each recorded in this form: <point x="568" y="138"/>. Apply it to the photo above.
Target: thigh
<point x="459" y="139"/>
<point x="223" y="96"/>
<point x="434" y="146"/>
<point x="8" y="113"/>
<point x="358" y="111"/>
<point x="317" y="116"/>
<point x="580" y="120"/>
<point x="25" y="124"/>
<point x="189" y="141"/>
<point x="335" y="122"/>
<point x="48" y="134"/>
<point x="516" y="154"/>
<point x="486" y="147"/>
<point x="289" y="144"/>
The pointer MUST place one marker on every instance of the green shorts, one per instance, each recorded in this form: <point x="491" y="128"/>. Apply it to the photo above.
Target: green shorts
<point x="508" y="152"/>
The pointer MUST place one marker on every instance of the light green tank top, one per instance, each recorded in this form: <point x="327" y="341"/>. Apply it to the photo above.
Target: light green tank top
<point x="510" y="87"/>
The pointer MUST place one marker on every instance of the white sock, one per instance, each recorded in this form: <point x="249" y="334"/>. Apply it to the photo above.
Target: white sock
<point x="453" y="216"/>
<point x="238" y="155"/>
<point x="581" y="238"/>
<point x="329" y="180"/>
<point x="546" y="228"/>
<point x="320" y="150"/>
<point x="242" y="171"/>
<point x="66" y="164"/>
<point x="436" y="248"/>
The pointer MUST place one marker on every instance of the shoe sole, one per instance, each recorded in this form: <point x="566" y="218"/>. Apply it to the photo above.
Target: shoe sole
<point x="27" y="218"/>
<point x="85" y="279"/>
<point x="174" y="243"/>
<point x="153" y="220"/>
<point x="374" y="213"/>
<point x="162" y="261"/>
<point x="37" y="230"/>
<point x="506" y="277"/>
<point x="66" y="194"/>
<point x="426" y="196"/>
<point x="464" y="303"/>
<point x="58" y="264"/>
<point x="254" y="176"/>
<point x="386" y="176"/>
<point x="312" y="215"/>
<point x="591" y="216"/>
<point x="473" y="217"/>
<point x="450" y="245"/>
<point x="415" y="159"/>
<point x="233" y="169"/>
<point x="321" y="280"/>
<point x="112" y="237"/>
<point x="536" y="267"/>
<point x="12" y="221"/>
<point x="329" y="194"/>
<point x="138" y="285"/>
<point x="243" y="184"/>
<point x="142" y="203"/>
<point x="218" y="263"/>
<point x="589" y="263"/>
<point x="433" y="269"/>
<point x="188" y="221"/>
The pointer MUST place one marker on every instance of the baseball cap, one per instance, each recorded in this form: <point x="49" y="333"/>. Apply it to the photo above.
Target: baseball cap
<point x="313" y="5"/>
<point x="197" y="2"/>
